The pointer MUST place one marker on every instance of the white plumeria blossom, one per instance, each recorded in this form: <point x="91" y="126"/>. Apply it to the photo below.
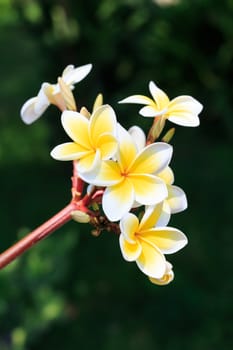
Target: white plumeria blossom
<point x="131" y="176"/>
<point x="146" y="243"/>
<point x="51" y="94"/>
<point x="182" y="110"/>
<point x="94" y="139"/>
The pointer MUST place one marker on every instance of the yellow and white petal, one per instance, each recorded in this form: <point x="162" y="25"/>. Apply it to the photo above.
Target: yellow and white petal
<point x="68" y="151"/>
<point x="138" y="137"/>
<point x="151" y="216"/>
<point x="118" y="200"/>
<point x="159" y="96"/>
<point x="155" y="215"/>
<point x="152" y="111"/>
<point x="177" y="199"/>
<point x="152" y="159"/>
<point x="138" y="99"/>
<point x="91" y="162"/>
<point x="129" y="225"/>
<point x="184" y="110"/>
<point x="151" y="261"/>
<point x="167" y="277"/>
<point x="76" y="127"/>
<point x="102" y="121"/>
<point x="108" y="146"/>
<point x="127" y="149"/>
<point x="73" y="75"/>
<point x="130" y="251"/>
<point x="148" y="189"/>
<point x="28" y="112"/>
<point x="109" y="174"/>
<point x="165" y="216"/>
<point x="168" y="239"/>
<point x="167" y="175"/>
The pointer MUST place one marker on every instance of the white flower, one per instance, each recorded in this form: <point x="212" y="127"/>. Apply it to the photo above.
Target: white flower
<point x="51" y="94"/>
<point x="146" y="243"/>
<point x="182" y="110"/>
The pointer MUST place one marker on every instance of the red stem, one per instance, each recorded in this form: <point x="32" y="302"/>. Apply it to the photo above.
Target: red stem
<point x="37" y="235"/>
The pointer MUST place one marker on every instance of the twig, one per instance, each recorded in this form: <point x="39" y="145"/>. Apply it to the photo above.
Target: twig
<point x="37" y="235"/>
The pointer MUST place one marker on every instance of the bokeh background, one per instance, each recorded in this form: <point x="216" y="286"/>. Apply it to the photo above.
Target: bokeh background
<point x="74" y="291"/>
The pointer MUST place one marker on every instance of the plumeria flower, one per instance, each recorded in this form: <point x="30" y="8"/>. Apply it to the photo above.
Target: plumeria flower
<point x="182" y="110"/>
<point x="94" y="139"/>
<point x="166" y="278"/>
<point x="51" y="93"/>
<point x="131" y="176"/>
<point x="146" y="243"/>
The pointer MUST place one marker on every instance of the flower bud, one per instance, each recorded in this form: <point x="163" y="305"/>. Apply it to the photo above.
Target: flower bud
<point x="166" y="278"/>
<point x="80" y="216"/>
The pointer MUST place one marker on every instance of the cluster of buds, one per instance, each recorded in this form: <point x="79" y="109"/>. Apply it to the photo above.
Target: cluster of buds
<point x="122" y="181"/>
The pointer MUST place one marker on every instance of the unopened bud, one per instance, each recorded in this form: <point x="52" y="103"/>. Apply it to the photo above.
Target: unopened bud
<point x="95" y="206"/>
<point x="80" y="216"/>
<point x="158" y="126"/>
<point x="169" y="135"/>
<point x="67" y="95"/>
<point x="85" y="112"/>
<point x="95" y="233"/>
<point x="166" y="278"/>
<point x="98" y="102"/>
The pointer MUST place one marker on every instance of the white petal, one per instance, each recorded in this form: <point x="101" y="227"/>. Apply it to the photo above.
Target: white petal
<point x="129" y="251"/>
<point x="89" y="164"/>
<point x="186" y="119"/>
<point x="167" y="175"/>
<point x="73" y="75"/>
<point x="129" y="226"/>
<point x="148" y="189"/>
<point x="168" y="239"/>
<point x="42" y="98"/>
<point x="138" y="136"/>
<point x="127" y="149"/>
<point x="108" y="175"/>
<point x="152" y="159"/>
<point x="151" y="261"/>
<point x="165" y="216"/>
<point x="76" y="127"/>
<point x="191" y="102"/>
<point x="159" y="96"/>
<point x="28" y="113"/>
<point x="184" y="110"/>
<point x="155" y="215"/>
<point x="102" y="121"/>
<point x="176" y="199"/>
<point x="118" y="200"/>
<point x="68" y="151"/>
<point x="151" y="111"/>
<point x="138" y="99"/>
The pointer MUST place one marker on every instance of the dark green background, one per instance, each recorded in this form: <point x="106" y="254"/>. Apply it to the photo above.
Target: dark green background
<point x="74" y="291"/>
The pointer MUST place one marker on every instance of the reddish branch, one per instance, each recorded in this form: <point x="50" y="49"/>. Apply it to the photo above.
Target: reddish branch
<point x="58" y="220"/>
<point x="37" y="235"/>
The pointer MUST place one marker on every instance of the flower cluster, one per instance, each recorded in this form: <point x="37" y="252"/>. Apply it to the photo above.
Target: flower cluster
<point x="129" y="183"/>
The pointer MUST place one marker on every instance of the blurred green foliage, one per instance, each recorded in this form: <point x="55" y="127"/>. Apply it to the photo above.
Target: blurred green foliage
<point x="74" y="291"/>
